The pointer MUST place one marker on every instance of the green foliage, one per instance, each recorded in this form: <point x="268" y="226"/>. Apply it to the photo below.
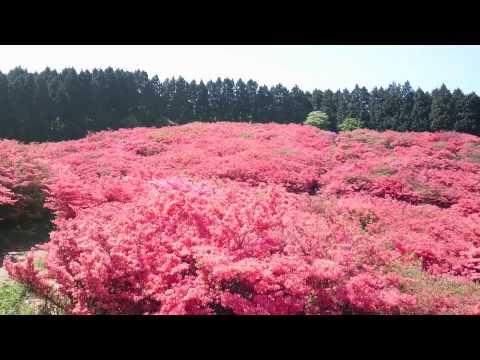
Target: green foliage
<point x="18" y="299"/>
<point x="12" y="299"/>
<point x="318" y="119"/>
<point x="421" y="111"/>
<point x="350" y="124"/>
<point x="53" y="106"/>
<point x="467" y="110"/>
<point x="474" y="157"/>
<point x="442" y="111"/>
<point x="384" y="171"/>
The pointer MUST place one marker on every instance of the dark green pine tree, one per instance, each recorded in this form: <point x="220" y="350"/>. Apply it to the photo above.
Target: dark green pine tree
<point x="420" y="116"/>
<point x="144" y="97"/>
<point x="42" y="108"/>
<point x="329" y="106"/>
<point x="360" y="102"/>
<point x="265" y="102"/>
<point x="317" y="97"/>
<point x="5" y="124"/>
<point x="309" y="97"/>
<point x="115" y="96"/>
<point x="58" y="96"/>
<point x="72" y="110"/>
<point x="126" y="99"/>
<point x="100" y="109"/>
<point x="21" y="90"/>
<point x="178" y="106"/>
<point x="168" y="87"/>
<point x="468" y="120"/>
<point x="356" y="106"/>
<point x="458" y="104"/>
<point x="215" y="100"/>
<point x="167" y="93"/>
<point x="202" y="108"/>
<point x="341" y="100"/>
<point x="280" y="111"/>
<point x="242" y="102"/>
<point x="191" y="94"/>
<point x="228" y="99"/>
<point x="149" y="101"/>
<point x="391" y="107"/>
<point x="441" y="115"/>
<point x="300" y="104"/>
<point x="365" y="103"/>
<point x="157" y="103"/>
<point x="53" y="83"/>
<point x="406" y="107"/>
<point x="252" y="89"/>
<point x="85" y="100"/>
<point x="377" y="109"/>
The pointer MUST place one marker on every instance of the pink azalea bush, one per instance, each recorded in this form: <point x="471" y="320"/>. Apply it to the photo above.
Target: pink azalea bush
<point x="233" y="218"/>
<point x="21" y="181"/>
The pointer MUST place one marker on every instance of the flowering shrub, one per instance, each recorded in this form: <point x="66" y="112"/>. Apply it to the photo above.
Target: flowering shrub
<point x="21" y="179"/>
<point x="232" y="218"/>
<point x="406" y="167"/>
<point x="350" y="124"/>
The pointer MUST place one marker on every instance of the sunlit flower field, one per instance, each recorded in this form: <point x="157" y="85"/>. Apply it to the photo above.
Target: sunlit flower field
<point x="236" y="218"/>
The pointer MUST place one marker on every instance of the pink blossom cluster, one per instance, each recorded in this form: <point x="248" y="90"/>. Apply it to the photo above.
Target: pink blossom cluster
<point x="289" y="155"/>
<point x="20" y="180"/>
<point x="238" y="250"/>
<point x="417" y="168"/>
<point x="233" y="218"/>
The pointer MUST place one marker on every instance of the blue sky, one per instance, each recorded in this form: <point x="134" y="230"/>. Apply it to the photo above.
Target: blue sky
<point x="308" y="66"/>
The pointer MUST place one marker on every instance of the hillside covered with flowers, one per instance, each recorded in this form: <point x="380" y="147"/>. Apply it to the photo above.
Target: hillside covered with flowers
<point x="237" y="218"/>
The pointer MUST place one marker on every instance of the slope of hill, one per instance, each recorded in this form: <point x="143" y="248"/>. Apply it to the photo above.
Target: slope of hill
<point x="253" y="219"/>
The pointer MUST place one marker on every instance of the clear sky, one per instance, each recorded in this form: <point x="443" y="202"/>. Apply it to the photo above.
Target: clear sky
<point x="308" y="66"/>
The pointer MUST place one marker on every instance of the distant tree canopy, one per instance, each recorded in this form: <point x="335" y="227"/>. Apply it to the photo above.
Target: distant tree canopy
<point x="318" y="119"/>
<point x="52" y="106"/>
<point x="350" y="124"/>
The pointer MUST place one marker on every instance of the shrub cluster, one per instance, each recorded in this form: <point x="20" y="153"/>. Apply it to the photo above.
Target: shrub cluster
<point x="231" y="218"/>
<point x="21" y="181"/>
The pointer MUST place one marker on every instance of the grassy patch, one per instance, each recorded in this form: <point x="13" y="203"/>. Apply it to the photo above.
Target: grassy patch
<point x="384" y="171"/>
<point x="358" y="182"/>
<point x="160" y="135"/>
<point x="18" y="299"/>
<point x="366" y="139"/>
<point x="71" y="149"/>
<point x="424" y="189"/>
<point x="429" y="288"/>
<point x="39" y="264"/>
<point x="13" y="298"/>
<point x="286" y="151"/>
<point x="439" y="145"/>
<point x="245" y="135"/>
<point x="365" y="217"/>
<point x="474" y="157"/>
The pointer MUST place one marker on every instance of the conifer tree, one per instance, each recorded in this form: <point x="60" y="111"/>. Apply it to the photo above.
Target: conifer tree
<point x="441" y="115"/>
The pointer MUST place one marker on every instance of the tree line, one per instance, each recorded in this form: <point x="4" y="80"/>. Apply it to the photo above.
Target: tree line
<point x="53" y="106"/>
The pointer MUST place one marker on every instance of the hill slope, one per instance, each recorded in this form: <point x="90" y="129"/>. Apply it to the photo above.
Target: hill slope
<point x="255" y="219"/>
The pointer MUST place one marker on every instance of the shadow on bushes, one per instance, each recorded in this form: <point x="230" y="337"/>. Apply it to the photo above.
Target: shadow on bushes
<point x="22" y="233"/>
